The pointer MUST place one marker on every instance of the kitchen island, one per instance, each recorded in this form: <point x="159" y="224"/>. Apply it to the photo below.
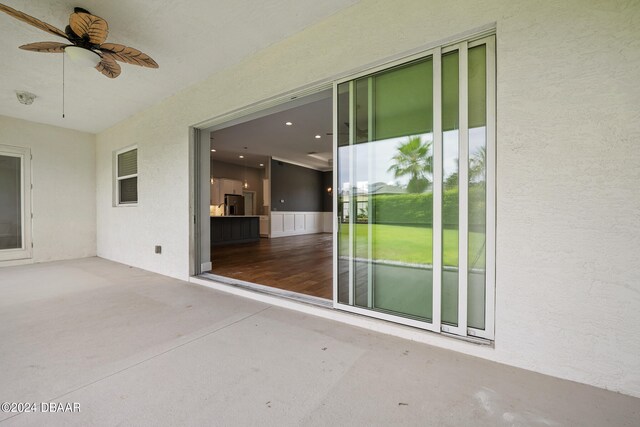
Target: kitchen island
<point x="232" y="229"/>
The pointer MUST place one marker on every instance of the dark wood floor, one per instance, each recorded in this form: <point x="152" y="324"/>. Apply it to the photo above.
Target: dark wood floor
<point x="300" y="264"/>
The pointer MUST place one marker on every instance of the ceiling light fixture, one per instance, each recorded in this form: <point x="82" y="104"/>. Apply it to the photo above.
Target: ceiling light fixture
<point x="245" y="184"/>
<point x="213" y="150"/>
<point x="241" y="156"/>
<point x="288" y="123"/>
<point x="83" y="57"/>
<point x="318" y="137"/>
<point x="261" y="164"/>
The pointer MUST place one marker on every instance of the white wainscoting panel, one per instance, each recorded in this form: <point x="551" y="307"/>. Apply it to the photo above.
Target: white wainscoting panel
<point x="327" y="222"/>
<point x="277" y="224"/>
<point x="294" y="223"/>
<point x="288" y="222"/>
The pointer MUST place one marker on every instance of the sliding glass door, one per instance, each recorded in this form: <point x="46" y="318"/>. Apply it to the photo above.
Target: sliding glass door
<point x="14" y="186"/>
<point x="414" y="177"/>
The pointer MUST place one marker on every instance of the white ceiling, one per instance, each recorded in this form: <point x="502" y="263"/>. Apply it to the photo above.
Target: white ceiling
<point x="270" y="136"/>
<point x="190" y="40"/>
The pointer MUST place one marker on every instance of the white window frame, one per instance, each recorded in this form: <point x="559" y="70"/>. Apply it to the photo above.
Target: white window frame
<point x="26" y="249"/>
<point x="436" y="325"/>
<point x="117" y="179"/>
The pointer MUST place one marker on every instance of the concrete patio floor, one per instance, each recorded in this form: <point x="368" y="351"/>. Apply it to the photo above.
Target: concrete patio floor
<point x="136" y="348"/>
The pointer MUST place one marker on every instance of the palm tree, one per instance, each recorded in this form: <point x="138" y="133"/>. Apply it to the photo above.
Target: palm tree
<point x="414" y="159"/>
<point x="477" y="165"/>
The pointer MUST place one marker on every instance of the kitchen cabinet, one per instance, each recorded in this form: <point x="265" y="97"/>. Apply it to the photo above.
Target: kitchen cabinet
<point x="266" y="192"/>
<point x="222" y="186"/>
<point x="264" y="226"/>
<point x="226" y="230"/>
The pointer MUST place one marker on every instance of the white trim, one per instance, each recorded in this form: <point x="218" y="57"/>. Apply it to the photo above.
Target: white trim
<point x="437" y="190"/>
<point x="25" y="252"/>
<point x="463" y="188"/>
<point x="370" y="160"/>
<point x="352" y="199"/>
<point x="302" y="165"/>
<point x="491" y="168"/>
<point x="336" y="169"/>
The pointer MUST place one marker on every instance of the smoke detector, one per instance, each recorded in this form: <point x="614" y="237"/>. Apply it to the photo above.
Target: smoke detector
<point x="25" y="98"/>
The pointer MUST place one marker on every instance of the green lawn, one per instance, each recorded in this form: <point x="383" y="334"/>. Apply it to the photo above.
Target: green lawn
<point x="410" y="244"/>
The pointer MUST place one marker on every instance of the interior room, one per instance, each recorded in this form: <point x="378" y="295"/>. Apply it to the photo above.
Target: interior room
<point x="272" y="199"/>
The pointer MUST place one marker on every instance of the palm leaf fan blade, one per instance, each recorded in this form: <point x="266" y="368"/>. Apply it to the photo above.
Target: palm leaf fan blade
<point x="128" y="54"/>
<point x="46" y="47"/>
<point x="109" y="67"/>
<point x="89" y="27"/>
<point x="32" y="21"/>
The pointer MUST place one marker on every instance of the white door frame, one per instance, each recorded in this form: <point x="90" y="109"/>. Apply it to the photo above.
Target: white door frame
<point x="26" y="248"/>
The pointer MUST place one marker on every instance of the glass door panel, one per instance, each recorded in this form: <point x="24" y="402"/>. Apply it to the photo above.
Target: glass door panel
<point x="477" y="105"/>
<point x="415" y="166"/>
<point x="10" y="202"/>
<point x="385" y="193"/>
<point x="450" y="195"/>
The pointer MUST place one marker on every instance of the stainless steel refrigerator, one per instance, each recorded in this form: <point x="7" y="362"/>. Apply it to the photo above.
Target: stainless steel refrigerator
<point x="233" y="204"/>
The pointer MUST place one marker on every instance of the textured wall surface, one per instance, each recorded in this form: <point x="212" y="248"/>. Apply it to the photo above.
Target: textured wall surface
<point x="568" y="126"/>
<point x="64" y="191"/>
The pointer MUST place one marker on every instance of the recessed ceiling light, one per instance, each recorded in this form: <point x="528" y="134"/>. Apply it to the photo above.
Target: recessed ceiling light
<point x="213" y="150"/>
<point x="318" y="137"/>
<point x="261" y="164"/>
<point x="241" y="156"/>
<point x="288" y="123"/>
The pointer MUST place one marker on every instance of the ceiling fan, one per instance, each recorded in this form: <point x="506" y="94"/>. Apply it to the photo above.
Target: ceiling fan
<point x="87" y="34"/>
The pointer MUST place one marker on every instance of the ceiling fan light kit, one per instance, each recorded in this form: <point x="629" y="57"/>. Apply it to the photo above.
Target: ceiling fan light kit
<point x="83" y="57"/>
<point x="87" y="34"/>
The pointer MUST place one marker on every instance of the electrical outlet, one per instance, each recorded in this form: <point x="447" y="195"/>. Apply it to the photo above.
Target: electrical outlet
<point x="158" y="249"/>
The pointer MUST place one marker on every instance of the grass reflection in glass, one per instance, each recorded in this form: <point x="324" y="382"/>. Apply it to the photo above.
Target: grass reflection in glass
<point x="412" y="244"/>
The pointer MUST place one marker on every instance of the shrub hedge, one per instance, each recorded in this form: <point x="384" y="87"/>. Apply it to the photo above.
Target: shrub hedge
<point x="417" y="209"/>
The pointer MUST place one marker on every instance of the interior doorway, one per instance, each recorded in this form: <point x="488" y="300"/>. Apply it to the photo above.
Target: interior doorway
<point x="271" y="198"/>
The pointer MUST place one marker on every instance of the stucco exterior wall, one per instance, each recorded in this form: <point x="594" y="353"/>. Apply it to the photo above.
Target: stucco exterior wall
<point x="568" y="206"/>
<point x="64" y="190"/>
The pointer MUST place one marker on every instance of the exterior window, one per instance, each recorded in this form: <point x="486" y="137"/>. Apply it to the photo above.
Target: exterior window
<point x="415" y="180"/>
<point x="127" y="176"/>
<point x="15" y="199"/>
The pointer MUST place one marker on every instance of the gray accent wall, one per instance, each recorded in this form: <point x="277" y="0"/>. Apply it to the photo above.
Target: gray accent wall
<point x="327" y="198"/>
<point x="301" y="188"/>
